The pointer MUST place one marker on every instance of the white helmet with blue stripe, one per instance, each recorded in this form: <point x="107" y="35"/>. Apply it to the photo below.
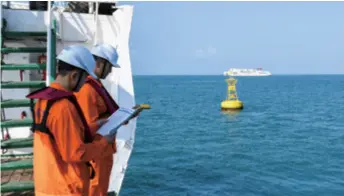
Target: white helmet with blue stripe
<point x="106" y="52"/>
<point x="78" y="56"/>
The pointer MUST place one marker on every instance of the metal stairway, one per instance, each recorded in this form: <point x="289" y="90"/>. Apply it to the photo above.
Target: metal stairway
<point x="12" y="163"/>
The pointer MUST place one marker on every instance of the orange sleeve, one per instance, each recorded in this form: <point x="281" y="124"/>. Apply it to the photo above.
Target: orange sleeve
<point x="87" y="99"/>
<point x="88" y="102"/>
<point x="69" y="138"/>
<point x="93" y="127"/>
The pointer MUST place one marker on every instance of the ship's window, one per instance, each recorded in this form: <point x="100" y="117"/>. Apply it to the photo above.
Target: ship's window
<point x="38" y="5"/>
<point x="106" y="8"/>
<point x="83" y="7"/>
<point x="77" y="7"/>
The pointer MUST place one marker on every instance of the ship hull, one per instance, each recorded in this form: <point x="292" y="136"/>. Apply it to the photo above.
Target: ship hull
<point x="246" y="72"/>
<point x="243" y="75"/>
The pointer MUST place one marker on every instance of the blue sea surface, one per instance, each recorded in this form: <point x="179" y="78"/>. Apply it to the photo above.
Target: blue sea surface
<point x="288" y="139"/>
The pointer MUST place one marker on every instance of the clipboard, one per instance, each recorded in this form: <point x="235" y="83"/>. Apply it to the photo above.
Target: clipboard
<point x="118" y="118"/>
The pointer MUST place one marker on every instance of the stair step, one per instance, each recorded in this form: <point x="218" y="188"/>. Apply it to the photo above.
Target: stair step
<point x="15" y="103"/>
<point x="24" y="34"/>
<point x="23" y="67"/>
<point x="17" y="164"/>
<point x="24" y="84"/>
<point x="23" y="50"/>
<point x="17" y="143"/>
<point x="17" y="186"/>
<point x="7" y="156"/>
<point x="16" y="123"/>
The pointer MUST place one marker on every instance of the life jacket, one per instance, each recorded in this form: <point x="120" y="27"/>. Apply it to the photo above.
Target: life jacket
<point x="52" y="95"/>
<point x="111" y="105"/>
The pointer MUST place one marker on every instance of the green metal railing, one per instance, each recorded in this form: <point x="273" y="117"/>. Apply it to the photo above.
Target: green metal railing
<point x="10" y="164"/>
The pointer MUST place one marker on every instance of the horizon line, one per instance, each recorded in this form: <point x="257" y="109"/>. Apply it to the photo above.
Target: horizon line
<point x="301" y="74"/>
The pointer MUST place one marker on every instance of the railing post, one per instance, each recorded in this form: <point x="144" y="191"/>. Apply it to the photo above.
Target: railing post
<point x="48" y="68"/>
<point x="95" y="35"/>
<point x="1" y="21"/>
<point x="53" y="52"/>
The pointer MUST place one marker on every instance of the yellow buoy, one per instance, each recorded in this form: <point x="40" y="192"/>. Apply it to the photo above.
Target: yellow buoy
<point x="232" y="102"/>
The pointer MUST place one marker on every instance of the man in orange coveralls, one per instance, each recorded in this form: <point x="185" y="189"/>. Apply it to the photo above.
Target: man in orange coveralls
<point x="63" y="144"/>
<point x="96" y="104"/>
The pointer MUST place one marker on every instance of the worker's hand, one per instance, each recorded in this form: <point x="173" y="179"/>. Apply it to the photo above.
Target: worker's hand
<point x="101" y="122"/>
<point x="110" y="138"/>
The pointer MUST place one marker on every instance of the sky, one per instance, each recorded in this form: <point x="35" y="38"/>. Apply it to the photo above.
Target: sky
<point x="208" y="38"/>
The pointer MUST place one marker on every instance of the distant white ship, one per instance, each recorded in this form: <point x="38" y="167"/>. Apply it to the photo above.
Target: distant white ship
<point x="246" y="72"/>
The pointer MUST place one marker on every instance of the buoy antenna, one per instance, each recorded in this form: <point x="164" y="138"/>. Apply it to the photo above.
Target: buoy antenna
<point x="231" y="92"/>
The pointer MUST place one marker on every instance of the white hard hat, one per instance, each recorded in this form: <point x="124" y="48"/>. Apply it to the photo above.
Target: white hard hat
<point x="78" y="56"/>
<point x="106" y="52"/>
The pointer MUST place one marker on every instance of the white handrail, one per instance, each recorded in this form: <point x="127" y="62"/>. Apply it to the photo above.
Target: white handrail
<point x="48" y="65"/>
<point x="95" y="35"/>
<point x="60" y="11"/>
<point x="1" y="19"/>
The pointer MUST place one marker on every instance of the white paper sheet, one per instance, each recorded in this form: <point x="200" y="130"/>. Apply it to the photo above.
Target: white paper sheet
<point x="115" y="121"/>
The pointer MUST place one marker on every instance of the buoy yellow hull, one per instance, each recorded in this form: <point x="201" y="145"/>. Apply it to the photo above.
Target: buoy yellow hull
<point x="232" y="105"/>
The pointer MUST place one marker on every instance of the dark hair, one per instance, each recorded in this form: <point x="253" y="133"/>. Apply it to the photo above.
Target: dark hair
<point x="64" y="68"/>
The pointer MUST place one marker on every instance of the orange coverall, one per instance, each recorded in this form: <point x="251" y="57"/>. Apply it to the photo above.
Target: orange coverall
<point x="60" y="163"/>
<point x="93" y="106"/>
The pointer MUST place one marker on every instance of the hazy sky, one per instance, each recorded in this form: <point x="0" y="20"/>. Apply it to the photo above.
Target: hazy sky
<point x="210" y="37"/>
